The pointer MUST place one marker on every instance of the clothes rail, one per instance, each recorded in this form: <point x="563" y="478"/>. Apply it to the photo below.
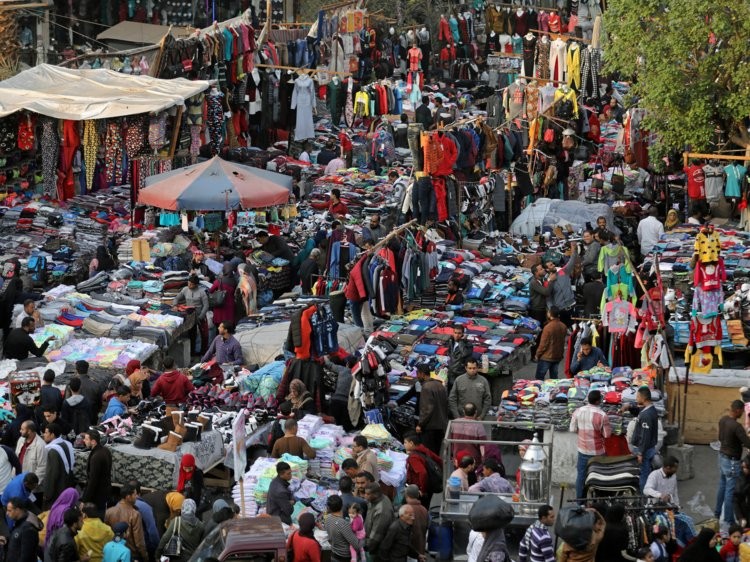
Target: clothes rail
<point x="391" y="236"/>
<point x="339" y="5"/>
<point x="542" y="80"/>
<point x="686" y="156"/>
<point x="303" y="70"/>
<point x="536" y="8"/>
<point x="562" y="36"/>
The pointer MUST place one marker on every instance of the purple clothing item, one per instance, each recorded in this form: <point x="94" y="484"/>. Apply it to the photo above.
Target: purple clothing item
<point x="68" y="498"/>
<point x="494" y="483"/>
<point x="226" y="351"/>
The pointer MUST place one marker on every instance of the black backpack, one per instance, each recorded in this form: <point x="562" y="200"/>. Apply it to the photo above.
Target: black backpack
<point x="434" y="475"/>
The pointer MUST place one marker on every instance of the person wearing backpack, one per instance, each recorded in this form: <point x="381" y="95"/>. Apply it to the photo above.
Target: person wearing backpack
<point x="423" y="468"/>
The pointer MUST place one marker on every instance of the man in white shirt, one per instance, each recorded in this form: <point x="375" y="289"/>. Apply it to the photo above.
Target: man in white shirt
<point x="662" y="482"/>
<point x="650" y="230"/>
<point x="29" y="309"/>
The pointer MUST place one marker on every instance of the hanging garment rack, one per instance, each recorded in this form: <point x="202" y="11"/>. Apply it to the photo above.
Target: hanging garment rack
<point x="562" y="36"/>
<point x="391" y="236"/>
<point x="304" y="70"/>
<point x="543" y="80"/>
<point x="686" y="156"/>
<point x="536" y="8"/>
<point x="339" y="5"/>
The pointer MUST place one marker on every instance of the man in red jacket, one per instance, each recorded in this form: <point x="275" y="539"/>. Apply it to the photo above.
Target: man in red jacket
<point x="172" y="385"/>
<point x="416" y="466"/>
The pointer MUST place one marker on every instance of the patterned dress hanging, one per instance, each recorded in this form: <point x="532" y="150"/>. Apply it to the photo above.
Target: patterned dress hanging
<point x="50" y="153"/>
<point x="113" y="154"/>
<point x="90" y="148"/>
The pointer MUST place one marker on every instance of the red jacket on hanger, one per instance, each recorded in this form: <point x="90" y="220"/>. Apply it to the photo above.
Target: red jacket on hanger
<point x="450" y="155"/>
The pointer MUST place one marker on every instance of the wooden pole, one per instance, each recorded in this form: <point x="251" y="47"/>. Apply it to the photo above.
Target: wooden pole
<point x="176" y="130"/>
<point x="686" y="156"/>
<point x="243" y="513"/>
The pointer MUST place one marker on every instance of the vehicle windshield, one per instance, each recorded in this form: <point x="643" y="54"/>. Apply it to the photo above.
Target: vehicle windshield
<point x="211" y="547"/>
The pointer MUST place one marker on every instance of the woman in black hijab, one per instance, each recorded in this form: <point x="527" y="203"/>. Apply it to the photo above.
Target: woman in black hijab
<point x="702" y="549"/>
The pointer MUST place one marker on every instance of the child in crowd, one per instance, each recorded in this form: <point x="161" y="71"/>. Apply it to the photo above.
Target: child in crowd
<point x="730" y="552"/>
<point x="358" y="526"/>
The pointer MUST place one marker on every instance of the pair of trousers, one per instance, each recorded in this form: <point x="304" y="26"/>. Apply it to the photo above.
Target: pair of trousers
<point x="583" y="462"/>
<point x="200" y="328"/>
<point x="648" y="456"/>
<point x="729" y="471"/>
<point x="423" y="202"/>
<point x="412" y="137"/>
<point x="433" y="439"/>
<point x="543" y="366"/>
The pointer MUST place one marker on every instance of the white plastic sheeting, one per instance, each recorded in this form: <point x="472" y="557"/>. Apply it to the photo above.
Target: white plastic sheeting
<point x="67" y="93"/>
<point x="731" y="378"/>
<point x="554" y="212"/>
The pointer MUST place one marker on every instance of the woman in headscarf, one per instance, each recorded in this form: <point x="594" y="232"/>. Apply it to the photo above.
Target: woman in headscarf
<point x="227" y="283"/>
<point x="190" y="478"/>
<point x="67" y="499"/>
<point x="702" y="549"/>
<point x="672" y="220"/>
<point x="587" y="554"/>
<point x="247" y="291"/>
<point x="302" y="541"/>
<point x="302" y="401"/>
<point x="138" y="376"/>
<point x="10" y="289"/>
<point x="102" y="262"/>
<point x="174" y="501"/>
<point x="189" y="529"/>
<point x="220" y="511"/>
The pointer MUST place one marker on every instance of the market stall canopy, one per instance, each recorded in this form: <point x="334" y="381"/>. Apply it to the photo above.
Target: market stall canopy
<point x="215" y="185"/>
<point x="68" y="93"/>
<point x="126" y="34"/>
<point x="554" y="212"/>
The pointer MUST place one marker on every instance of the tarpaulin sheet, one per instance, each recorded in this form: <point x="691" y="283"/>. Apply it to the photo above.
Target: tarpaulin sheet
<point x="67" y="93"/>
<point x="554" y="212"/>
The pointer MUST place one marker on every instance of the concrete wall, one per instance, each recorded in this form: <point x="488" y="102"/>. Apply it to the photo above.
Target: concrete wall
<point x="564" y="458"/>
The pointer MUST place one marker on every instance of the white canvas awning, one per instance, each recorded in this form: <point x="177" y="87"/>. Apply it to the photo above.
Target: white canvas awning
<point x="66" y="93"/>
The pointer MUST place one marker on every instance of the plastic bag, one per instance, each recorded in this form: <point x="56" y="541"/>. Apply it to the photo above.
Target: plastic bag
<point x="490" y="513"/>
<point x="574" y="525"/>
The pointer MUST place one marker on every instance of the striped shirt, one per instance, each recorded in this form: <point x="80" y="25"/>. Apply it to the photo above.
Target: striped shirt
<point x="592" y="425"/>
<point x="536" y="545"/>
<point x="341" y="536"/>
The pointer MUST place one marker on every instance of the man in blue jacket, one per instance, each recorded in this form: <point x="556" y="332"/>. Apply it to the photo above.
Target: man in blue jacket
<point x="646" y="431"/>
<point x="588" y="358"/>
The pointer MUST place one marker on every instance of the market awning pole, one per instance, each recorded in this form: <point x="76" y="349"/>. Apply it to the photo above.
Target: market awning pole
<point x="176" y="131"/>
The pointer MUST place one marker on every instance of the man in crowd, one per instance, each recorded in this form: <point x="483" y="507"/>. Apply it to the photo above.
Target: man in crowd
<point x="51" y="415"/>
<point x="468" y="429"/>
<point x="587" y="358"/>
<point x="172" y="385"/>
<point x="94" y="533"/>
<point x="366" y="458"/>
<point x="397" y="544"/>
<point x="126" y="512"/>
<point x="23" y="543"/>
<point x="590" y="259"/>
<point x="335" y="206"/>
<point x="493" y="482"/>
<point x="62" y="547"/>
<point x="49" y="395"/>
<point x="149" y="520"/>
<point x="562" y="295"/>
<point x="551" y="349"/>
<point x="22" y="486"/>
<point x="19" y="343"/>
<point x="118" y="404"/>
<point x="592" y="426"/>
<point x="346" y="486"/>
<point x="349" y="468"/>
<point x="537" y="544"/>
<point x="592" y="291"/>
<point x="662" y="483"/>
<point x="732" y="438"/>
<point x="31" y="451"/>
<point x="280" y="499"/>
<point x="470" y="387"/>
<point x="646" y="433"/>
<point x="375" y="231"/>
<point x="360" y="483"/>
<point x="60" y="462"/>
<point x="225" y="348"/>
<point x="340" y="534"/>
<point x="195" y="296"/>
<point x="29" y="310"/>
<point x="378" y="520"/>
<point x="460" y="352"/>
<point x="327" y="154"/>
<point x="91" y="389"/>
<point x="423" y="114"/>
<point x="649" y="231"/>
<point x="539" y="292"/>
<point x="98" y="470"/>
<point x="417" y="472"/>
<point x="291" y="443"/>
<point x="76" y="409"/>
<point x="433" y="409"/>
<point x="421" y="519"/>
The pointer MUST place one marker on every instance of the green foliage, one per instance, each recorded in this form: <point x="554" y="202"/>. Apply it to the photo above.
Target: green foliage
<point x="689" y="59"/>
